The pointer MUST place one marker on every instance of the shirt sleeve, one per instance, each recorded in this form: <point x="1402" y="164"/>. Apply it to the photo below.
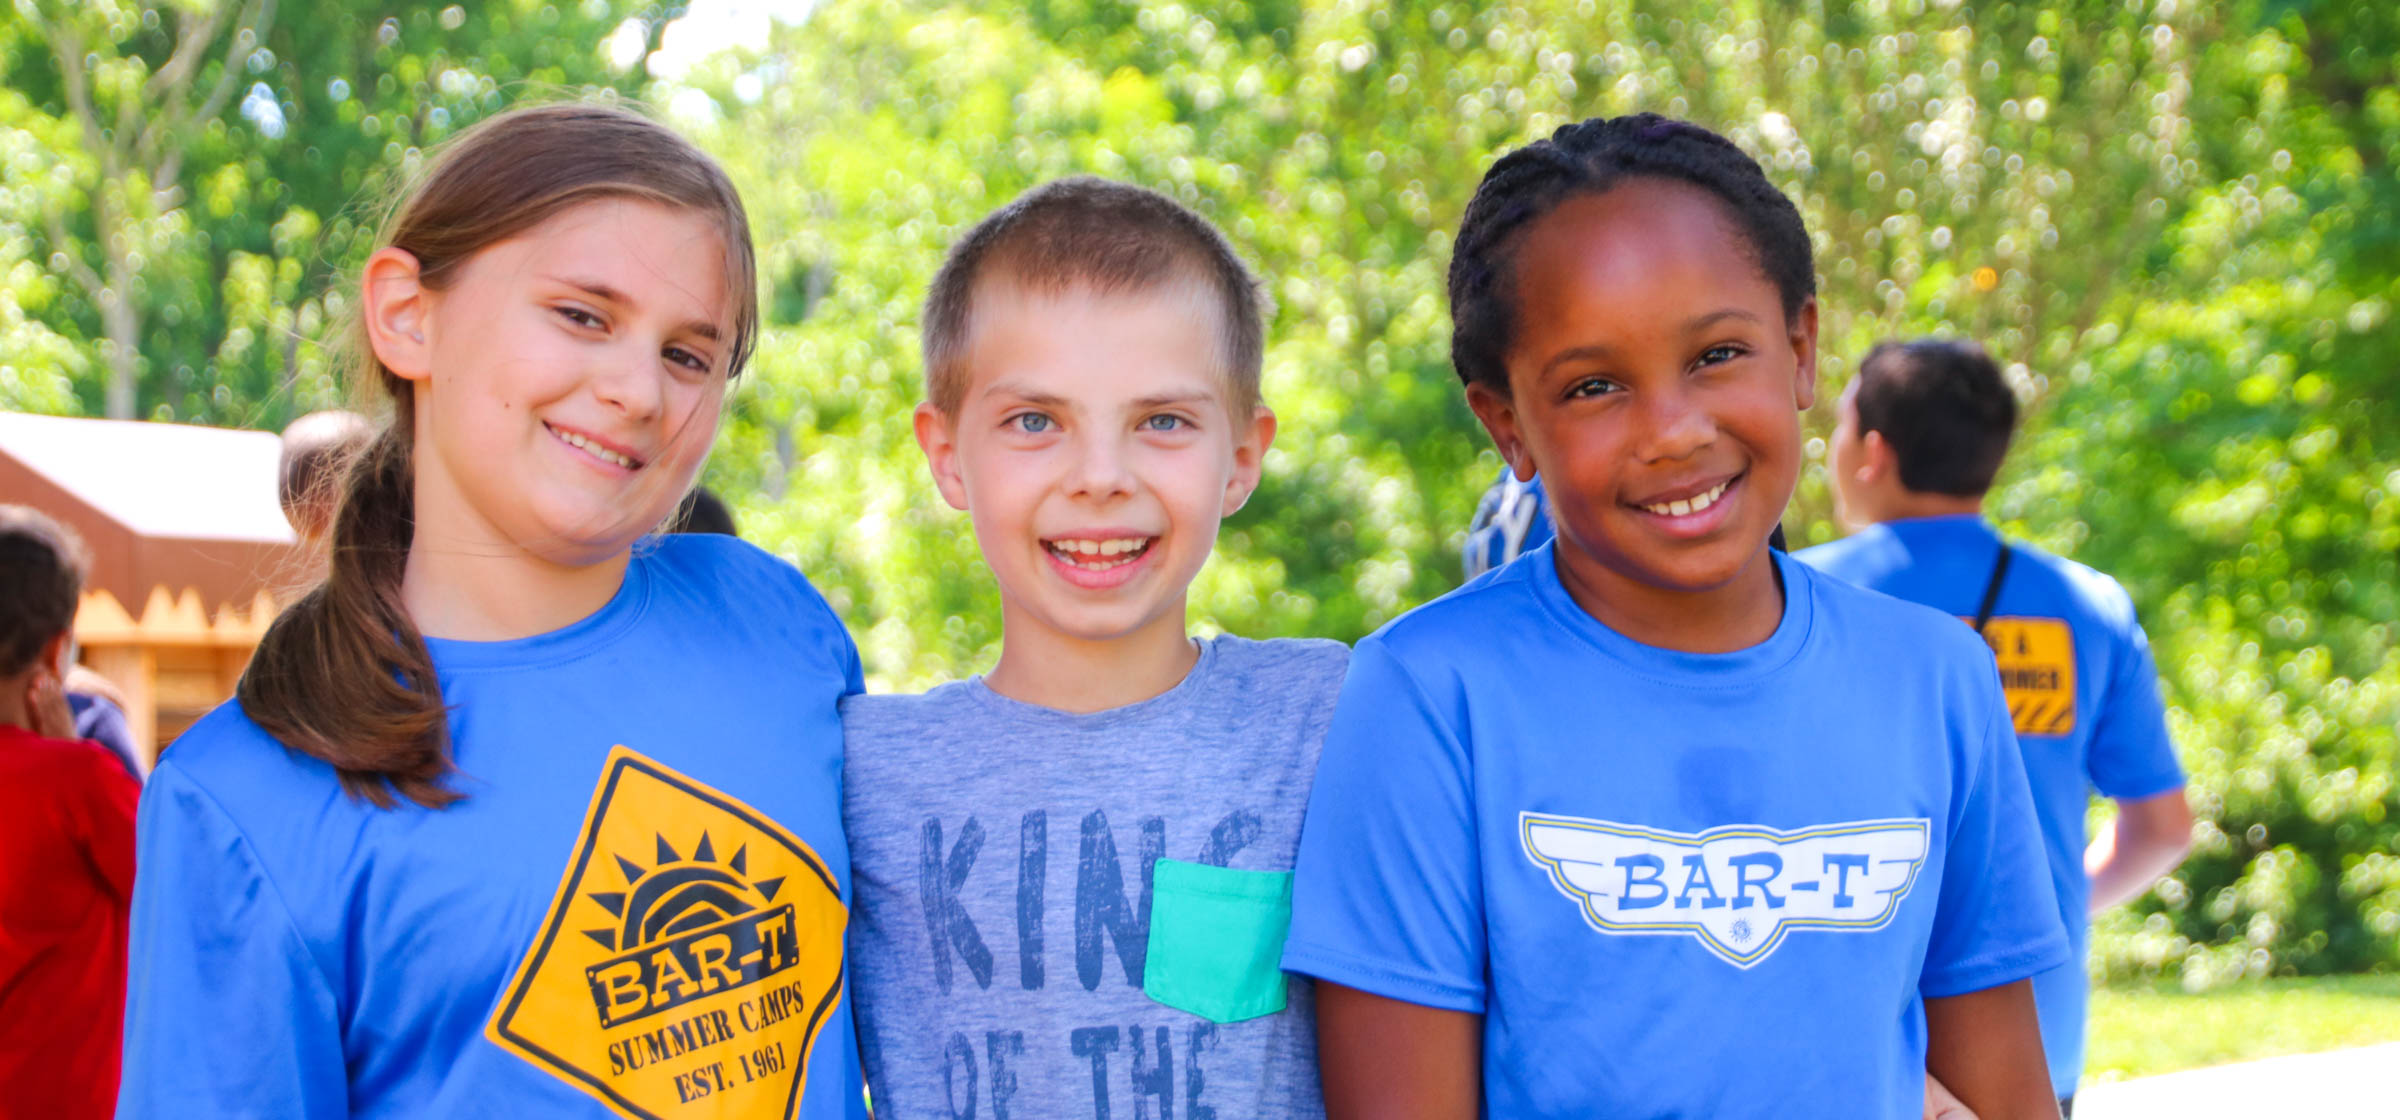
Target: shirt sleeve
<point x="854" y="675"/>
<point x="1998" y="919"/>
<point x="2131" y="755"/>
<point x="1388" y="894"/>
<point x="845" y="647"/>
<point x="227" y="1012"/>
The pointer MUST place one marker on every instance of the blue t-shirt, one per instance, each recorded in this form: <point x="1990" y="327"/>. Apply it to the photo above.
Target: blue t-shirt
<point x="98" y="719"/>
<point x="1675" y="884"/>
<point x="637" y="910"/>
<point x="2081" y="688"/>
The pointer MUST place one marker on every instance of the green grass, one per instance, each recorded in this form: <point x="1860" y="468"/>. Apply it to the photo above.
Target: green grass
<point x="2139" y="1030"/>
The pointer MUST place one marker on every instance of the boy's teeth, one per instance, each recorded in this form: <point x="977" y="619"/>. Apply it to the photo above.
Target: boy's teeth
<point x="1694" y="504"/>
<point x="1101" y="553"/>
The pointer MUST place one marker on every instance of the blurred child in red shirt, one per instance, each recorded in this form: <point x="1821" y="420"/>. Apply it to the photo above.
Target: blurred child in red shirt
<point x="66" y="847"/>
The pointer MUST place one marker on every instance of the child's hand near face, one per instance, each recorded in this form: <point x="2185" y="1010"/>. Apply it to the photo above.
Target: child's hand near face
<point x="46" y="706"/>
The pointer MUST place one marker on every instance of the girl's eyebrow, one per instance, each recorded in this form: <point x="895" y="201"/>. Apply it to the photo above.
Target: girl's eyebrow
<point x="600" y="290"/>
<point x="1601" y="351"/>
<point x="1597" y="351"/>
<point x="1700" y="323"/>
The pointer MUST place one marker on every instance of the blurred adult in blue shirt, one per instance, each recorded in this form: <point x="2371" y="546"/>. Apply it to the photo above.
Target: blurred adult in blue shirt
<point x="1922" y="432"/>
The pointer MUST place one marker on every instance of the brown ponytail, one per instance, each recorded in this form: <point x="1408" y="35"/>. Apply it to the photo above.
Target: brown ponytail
<point x="343" y="675"/>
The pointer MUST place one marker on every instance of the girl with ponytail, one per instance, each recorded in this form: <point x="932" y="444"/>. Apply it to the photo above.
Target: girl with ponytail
<point x="523" y="811"/>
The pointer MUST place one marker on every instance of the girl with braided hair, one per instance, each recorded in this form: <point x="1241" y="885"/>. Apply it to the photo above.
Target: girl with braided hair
<point x="1655" y="821"/>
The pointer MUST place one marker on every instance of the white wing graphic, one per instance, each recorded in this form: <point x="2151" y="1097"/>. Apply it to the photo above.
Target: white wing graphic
<point x="1740" y="889"/>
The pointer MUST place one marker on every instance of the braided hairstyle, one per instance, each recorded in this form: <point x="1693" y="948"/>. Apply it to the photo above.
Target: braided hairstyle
<point x="1593" y="157"/>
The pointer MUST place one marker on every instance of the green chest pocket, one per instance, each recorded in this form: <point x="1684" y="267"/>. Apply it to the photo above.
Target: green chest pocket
<point x="1216" y="940"/>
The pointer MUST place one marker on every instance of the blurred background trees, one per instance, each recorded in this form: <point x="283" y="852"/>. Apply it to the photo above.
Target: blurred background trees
<point x="186" y="178"/>
<point x="2178" y="223"/>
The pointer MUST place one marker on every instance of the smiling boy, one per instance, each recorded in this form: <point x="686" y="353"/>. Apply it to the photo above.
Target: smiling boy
<point x="1072" y="874"/>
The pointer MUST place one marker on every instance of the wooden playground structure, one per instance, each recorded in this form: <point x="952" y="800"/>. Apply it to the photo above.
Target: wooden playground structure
<point x="189" y="552"/>
<point x="174" y="661"/>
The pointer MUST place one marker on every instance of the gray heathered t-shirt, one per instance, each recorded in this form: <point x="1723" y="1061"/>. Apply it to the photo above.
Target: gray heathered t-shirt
<point x="1002" y="856"/>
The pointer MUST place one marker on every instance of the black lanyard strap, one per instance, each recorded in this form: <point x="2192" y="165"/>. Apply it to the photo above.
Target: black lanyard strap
<point x="1991" y="587"/>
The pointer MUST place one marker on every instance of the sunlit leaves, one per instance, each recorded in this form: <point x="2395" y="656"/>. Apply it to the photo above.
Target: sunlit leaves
<point x="2177" y="225"/>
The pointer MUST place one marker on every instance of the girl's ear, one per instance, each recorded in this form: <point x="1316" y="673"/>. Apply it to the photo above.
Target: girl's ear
<point x="939" y="439"/>
<point x="1499" y="415"/>
<point x="1804" y="346"/>
<point x="395" y="304"/>
<point x="1249" y="460"/>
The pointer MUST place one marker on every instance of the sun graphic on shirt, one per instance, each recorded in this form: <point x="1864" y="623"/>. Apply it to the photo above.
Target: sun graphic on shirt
<point x="677" y="894"/>
<point x="709" y="961"/>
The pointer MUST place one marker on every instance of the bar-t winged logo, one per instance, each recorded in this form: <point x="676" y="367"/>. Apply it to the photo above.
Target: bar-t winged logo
<point x="1738" y="889"/>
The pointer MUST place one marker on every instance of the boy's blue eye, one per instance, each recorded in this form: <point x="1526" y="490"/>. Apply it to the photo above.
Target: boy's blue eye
<point x="1031" y="423"/>
<point x="1164" y="423"/>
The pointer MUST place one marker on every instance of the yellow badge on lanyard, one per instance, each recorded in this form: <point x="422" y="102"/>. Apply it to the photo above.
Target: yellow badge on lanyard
<point x="691" y="956"/>
<point x="2037" y="669"/>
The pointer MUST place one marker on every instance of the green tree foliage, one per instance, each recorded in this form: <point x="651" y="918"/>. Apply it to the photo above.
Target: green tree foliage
<point x="2172" y="221"/>
<point x="2177" y="223"/>
<point x="193" y="173"/>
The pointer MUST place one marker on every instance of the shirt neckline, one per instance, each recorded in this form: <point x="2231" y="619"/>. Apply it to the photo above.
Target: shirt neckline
<point x="1706" y="670"/>
<point x="1962" y="524"/>
<point x="576" y="639"/>
<point x="980" y="692"/>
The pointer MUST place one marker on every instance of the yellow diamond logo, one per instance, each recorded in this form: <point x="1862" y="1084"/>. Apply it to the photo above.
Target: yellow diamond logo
<point x="689" y="960"/>
<point x="2037" y="669"/>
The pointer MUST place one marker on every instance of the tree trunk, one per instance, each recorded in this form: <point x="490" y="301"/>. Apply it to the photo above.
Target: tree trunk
<point x="123" y="319"/>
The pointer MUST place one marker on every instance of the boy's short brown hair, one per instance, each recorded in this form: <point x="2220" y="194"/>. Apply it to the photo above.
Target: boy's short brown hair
<point x="42" y="566"/>
<point x="1114" y="238"/>
<point x="1945" y="408"/>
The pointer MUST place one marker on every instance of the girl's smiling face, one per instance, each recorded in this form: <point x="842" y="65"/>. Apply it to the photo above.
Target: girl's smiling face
<point x="1655" y="383"/>
<point x="568" y="380"/>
